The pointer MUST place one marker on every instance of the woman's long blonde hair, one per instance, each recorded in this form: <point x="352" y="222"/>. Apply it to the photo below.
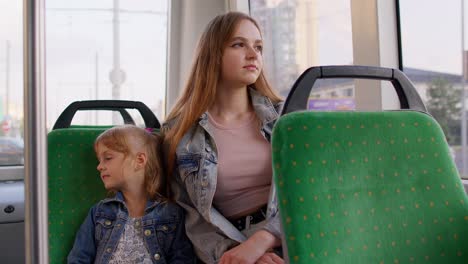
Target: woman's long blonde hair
<point x="200" y="89"/>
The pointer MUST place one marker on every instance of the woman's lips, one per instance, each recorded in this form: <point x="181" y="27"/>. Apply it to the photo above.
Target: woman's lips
<point x="251" y="67"/>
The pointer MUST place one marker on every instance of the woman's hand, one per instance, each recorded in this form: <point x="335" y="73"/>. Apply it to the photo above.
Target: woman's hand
<point x="251" y="250"/>
<point x="270" y="258"/>
<point x="245" y="253"/>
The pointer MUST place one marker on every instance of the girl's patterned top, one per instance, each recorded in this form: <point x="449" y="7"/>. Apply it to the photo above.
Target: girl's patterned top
<point x="131" y="247"/>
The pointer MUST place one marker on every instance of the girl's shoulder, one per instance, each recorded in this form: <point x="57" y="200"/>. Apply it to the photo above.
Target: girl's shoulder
<point x="106" y="206"/>
<point x="171" y="206"/>
<point x="168" y="124"/>
<point x="169" y="210"/>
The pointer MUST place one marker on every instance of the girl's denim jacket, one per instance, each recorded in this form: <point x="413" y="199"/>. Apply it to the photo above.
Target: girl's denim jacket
<point x="194" y="185"/>
<point x="163" y="229"/>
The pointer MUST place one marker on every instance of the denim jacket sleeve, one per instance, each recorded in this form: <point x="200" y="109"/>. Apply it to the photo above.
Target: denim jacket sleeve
<point x="181" y="249"/>
<point x="273" y="215"/>
<point x="208" y="241"/>
<point x="273" y="224"/>
<point x="84" y="248"/>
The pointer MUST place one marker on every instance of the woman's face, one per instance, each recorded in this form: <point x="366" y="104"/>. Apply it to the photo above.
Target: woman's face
<point x="242" y="59"/>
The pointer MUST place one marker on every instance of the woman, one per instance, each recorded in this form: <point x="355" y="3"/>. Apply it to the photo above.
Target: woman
<point x="218" y="150"/>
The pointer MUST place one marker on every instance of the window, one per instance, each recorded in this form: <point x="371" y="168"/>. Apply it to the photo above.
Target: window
<point x="432" y="59"/>
<point x="11" y="83"/>
<point x="348" y="92"/>
<point x="105" y="50"/>
<point x="299" y="34"/>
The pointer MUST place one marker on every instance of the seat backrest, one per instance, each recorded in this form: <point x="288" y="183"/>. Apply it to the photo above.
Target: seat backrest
<point x="74" y="185"/>
<point x="368" y="187"/>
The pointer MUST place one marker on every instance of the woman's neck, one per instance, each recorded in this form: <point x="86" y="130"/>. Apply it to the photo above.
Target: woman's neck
<point x="135" y="202"/>
<point x="231" y="104"/>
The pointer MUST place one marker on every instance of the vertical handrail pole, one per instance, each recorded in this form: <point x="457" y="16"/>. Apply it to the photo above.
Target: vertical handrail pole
<point x="35" y="133"/>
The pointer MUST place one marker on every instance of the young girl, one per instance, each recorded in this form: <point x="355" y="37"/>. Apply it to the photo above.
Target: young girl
<point x="218" y="150"/>
<point x="136" y="225"/>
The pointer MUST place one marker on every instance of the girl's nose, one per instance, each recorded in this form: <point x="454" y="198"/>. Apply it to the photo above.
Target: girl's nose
<point x="99" y="167"/>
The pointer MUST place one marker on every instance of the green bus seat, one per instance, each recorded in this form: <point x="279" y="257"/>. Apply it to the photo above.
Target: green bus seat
<point x="368" y="187"/>
<point x="74" y="184"/>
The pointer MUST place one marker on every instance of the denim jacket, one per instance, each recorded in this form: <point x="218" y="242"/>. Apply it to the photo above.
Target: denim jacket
<point x="194" y="185"/>
<point x="164" y="233"/>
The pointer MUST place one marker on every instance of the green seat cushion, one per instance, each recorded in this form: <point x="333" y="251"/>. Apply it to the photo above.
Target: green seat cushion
<point x="368" y="187"/>
<point x="74" y="185"/>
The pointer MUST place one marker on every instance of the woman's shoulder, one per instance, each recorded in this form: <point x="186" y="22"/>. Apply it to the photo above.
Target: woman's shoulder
<point x="192" y="131"/>
<point x="265" y="104"/>
<point x="279" y="106"/>
<point x="168" y="124"/>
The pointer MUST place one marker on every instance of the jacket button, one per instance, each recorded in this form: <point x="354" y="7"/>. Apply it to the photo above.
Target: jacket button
<point x="204" y="183"/>
<point x="164" y="228"/>
<point x="137" y="223"/>
<point x="108" y="250"/>
<point x="147" y="232"/>
<point x="157" y="256"/>
<point x="107" y="222"/>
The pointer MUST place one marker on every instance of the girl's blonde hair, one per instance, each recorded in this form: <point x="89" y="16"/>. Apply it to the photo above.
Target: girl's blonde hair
<point x="123" y="138"/>
<point x="200" y="90"/>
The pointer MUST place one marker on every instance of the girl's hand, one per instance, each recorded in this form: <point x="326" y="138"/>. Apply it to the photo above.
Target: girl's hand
<point x="270" y="258"/>
<point x="250" y="250"/>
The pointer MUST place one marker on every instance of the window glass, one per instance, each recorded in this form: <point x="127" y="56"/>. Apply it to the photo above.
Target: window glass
<point x="299" y="34"/>
<point x="11" y="83"/>
<point x="432" y="59"/>
<point x="105" y="50"/>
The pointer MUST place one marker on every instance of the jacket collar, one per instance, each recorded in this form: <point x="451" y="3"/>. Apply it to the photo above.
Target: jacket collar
<point x="263" y="106"/>
<point x="119" y="198"/>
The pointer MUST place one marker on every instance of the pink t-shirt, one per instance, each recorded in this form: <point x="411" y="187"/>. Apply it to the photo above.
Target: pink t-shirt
<point x="244" y="167"/>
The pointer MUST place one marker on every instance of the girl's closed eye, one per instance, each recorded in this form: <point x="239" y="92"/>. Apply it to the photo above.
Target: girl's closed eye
<point x="107" y="158"/>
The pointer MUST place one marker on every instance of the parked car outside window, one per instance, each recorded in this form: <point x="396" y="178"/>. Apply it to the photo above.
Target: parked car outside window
<point x="11" y="151"/>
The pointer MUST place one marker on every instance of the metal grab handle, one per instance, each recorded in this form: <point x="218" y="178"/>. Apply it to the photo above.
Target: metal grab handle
<point x="299" y="94"/>
<point x="65" y="118"/>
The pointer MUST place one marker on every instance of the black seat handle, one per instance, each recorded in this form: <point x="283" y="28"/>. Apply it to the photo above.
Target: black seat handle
<point x="299" y="94"/>
<point x="65" y="118"/>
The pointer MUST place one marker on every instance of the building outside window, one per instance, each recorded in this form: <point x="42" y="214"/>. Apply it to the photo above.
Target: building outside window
<point x="299" y="34"/>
